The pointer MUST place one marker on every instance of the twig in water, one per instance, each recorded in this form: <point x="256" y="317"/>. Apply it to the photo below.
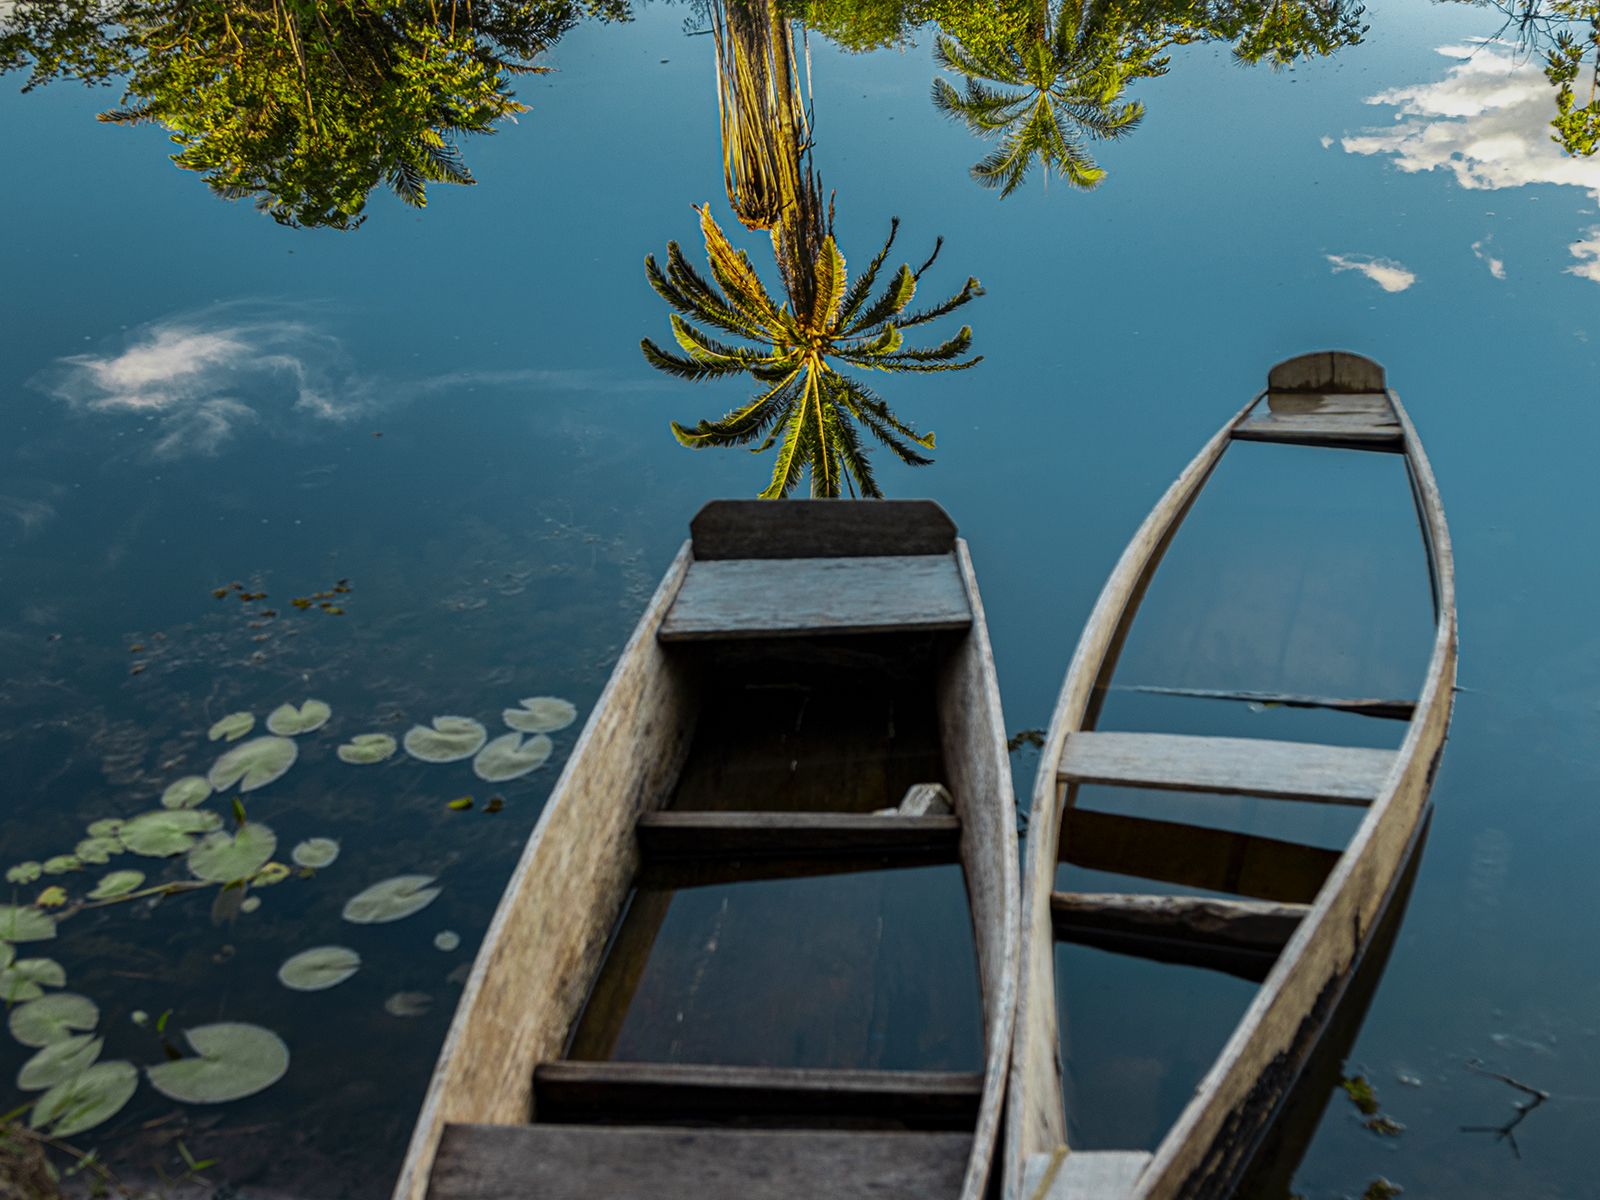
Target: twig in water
<point x="1507" y="1132"/>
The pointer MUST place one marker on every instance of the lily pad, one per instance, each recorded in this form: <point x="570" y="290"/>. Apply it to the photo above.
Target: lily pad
<point x="8" y="953"/>
<point x="97" y="850"/>
<point x="53" y="1019"/>
<point x="319" y="968"/>
<point x="166" y="832"/>
<point x="187" y="792"/>
<point x="254" y="764"/>
<point x="450" y="740"/>
<point x="286" y="720"/>
<point x="61" y="864"/>
<point x="118" y="883"/>
<point x="234" y="1060"/>
<point x="367" y="748"/>
<point x="249" y="904"/>
<point x="391" y="900"/>
<point x="232" y="727"/>
<point x="27" y="978"/>
<point x="24" y="873"/>
<point x="315" y="852"/>
<point x="24" y="923"/>
<point x="510" y="756"/>
<point x="86" y="1100"/>
<point x="541" y="714"/>
<point x="59" y="1062"/>
<point x="408" y="1004"/>
<point x="223" y="857"/>
<point x="273" y="872"/>
<point x="105" y="827"/>
<point x="446" y="940"/>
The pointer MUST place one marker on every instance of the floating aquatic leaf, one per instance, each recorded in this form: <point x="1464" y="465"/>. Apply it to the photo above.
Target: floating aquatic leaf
<point x="249" y="904"/>
<point x="233" y="726"/>
<point x="254" y="764"/>
<point x="27" y="978"/>
<point x="118" y="883"/>
<point x="139" y="1017"/>
<point x="391" y="900"/>
<point x="319" y="968"/>
<point x="446" y="940"/>
<point x="273" y="872"/>
<point x="53" y="1018"/>
<point x="510" y="756"/>
<point x="86" y="1100"/>
<point x="8" y="953"/>
<point x="223" y="857"/>
<point x="61" y="864"/>
<point x="286" y="720"/>
<point x="51" y="897"/>
<point x="460" y="804"/>
<point x="235" y="1060"/>
<point x="24" y="923"/>
<point x="24" y="873"/>
<point x="166" y="832"/>
<point x="408" y="1004"/>
<point x="315" y="852"/>
<point x="496" y="803"/>
<point x="186" y="792"/>
<point x="97" y="850"/>
<point x="541" y="714"/>
<point x="367" y="748"/>
<point x="105" y="827"/>
<point x="59" y="1061"/>
<point x="450" y="740"/>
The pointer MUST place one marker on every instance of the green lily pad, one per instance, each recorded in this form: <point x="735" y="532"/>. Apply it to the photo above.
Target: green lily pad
<point x="118" y="883"/>
<point x="254" y="764"/>
<point x="367" y="748"/>
<point x="234" y="1060"/>
<point x="105" y="827"/>
<point x="232" y="727"/>
<point x="86" y="1100"/>
<point x="315" y="853"/>
<point x="450" y="740"/>
<point x="391" y="900"/>
<point x="319" y="968"/>
<point x="27" y="978"/>
<point x="97" y="850"/>
<point x="52" y="1019"/>
<point x="446" y="940"/>
<point x="249" y="904"/>
<point x="222" y="857"/>
<point x="510" y="757"/>
<point x="24" y="873"/>
<point x="24" y="923"/>
<point x="408" y="1004"/>
<point x="187" y="792"/>
<point x="8" y="953"/>
<point x="273" y="872"/>
<point x="541" y="714"/>
<point x="59" y="1062"/>
<point x="166" y="832"/>
<point x="61" y="864"/>
<point x="286" y="720"/>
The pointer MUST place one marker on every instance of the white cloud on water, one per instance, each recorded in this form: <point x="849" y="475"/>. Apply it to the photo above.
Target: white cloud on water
<point x="1587" y="251"/>
<point x="1385" y="272"/>
<point x="1497" y="267"/>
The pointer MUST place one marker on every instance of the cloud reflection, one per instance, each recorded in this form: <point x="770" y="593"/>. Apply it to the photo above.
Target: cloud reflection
<point x="1385" y="272"/>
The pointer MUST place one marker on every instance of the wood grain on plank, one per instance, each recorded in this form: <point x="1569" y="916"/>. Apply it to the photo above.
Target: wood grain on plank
<point x="1227" y="766"/>
<point x="820" y="529"/>
<point x="1327" y="371"/>
<point x="1239" y="937"/>
<point x="575" y="1162"/>
<point x="1085" y="1174"/>
<point x="1356" y="432"/>
<point x="747" y="598"/>
<point x="705" y="835"/>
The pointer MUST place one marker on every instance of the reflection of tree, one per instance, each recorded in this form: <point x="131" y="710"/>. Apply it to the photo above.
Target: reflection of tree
<point x="305" y="105"/>
<point x="1567" y="34"/>
<point x="765" y="126"/>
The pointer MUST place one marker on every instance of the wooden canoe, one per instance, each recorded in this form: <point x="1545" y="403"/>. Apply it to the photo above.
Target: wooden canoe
<point x="682" y="780"/>
<point x="1305" y="915"/>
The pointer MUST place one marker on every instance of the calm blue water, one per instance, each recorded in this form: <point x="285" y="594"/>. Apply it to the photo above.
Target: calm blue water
<point x="193" y="396"/>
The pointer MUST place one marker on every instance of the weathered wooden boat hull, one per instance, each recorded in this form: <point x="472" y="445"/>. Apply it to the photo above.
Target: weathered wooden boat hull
<point x="1327" y="399"/>
<point x="549" y="936"/>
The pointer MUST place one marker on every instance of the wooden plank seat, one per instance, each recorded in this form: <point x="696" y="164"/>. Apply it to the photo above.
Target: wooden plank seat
<point x="644" y="1093"/>
<point x="1216" y="860"/>
<point x="1239" y="937"/>
<point x="713" y="835"/>
<point x="1357" y="430"/>
<point x="578" y="1162"/>
<point x="750" y="598"/>
<point x="1227" y="766"/>
<point x="1084" y="1174"/>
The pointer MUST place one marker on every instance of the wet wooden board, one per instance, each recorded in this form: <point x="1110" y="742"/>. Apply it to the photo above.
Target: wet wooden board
<point x="1227" y="766"/>
<point x="576" y="1162"/>
<point x="1084" y="1174"/>
<point x="771" y="529"/>
<point x="709" y="835"/>
<point x="1317" y="430"/>
<point x="1239" y="937"/>
<point x="748" y="598"/>
<point x="1217" y="860"/>
<point x="571" y="1091"/>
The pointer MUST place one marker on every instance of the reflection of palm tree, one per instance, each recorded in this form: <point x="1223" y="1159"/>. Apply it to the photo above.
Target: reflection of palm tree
<point x="765" y="127"/>
<point x="805" y="404"/>
<point x="1057" y="88"/>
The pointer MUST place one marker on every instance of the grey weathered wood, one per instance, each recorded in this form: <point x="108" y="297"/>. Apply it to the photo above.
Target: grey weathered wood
<point x="577" y="1162"/>
<point x="705" y="835"/>
<point x="1240" y="937"/>
<point x="1327" y="371"/>
<point x="820" y="529"/>
<point x="1084" y="1174"/>
<point x="1392" y="710"/>
<point x="1315" y="430"/>
<point x="650" y="1093"/>
<point x="1216" y="860"/>
<point x="1374" y="406"/>
<point x="746" y="598"/>
<point x="1227" y="766"/>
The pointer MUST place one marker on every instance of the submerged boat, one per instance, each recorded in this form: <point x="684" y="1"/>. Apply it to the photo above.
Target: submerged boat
<point x="809" y="693"/>
<point x="1297" y="918"/>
